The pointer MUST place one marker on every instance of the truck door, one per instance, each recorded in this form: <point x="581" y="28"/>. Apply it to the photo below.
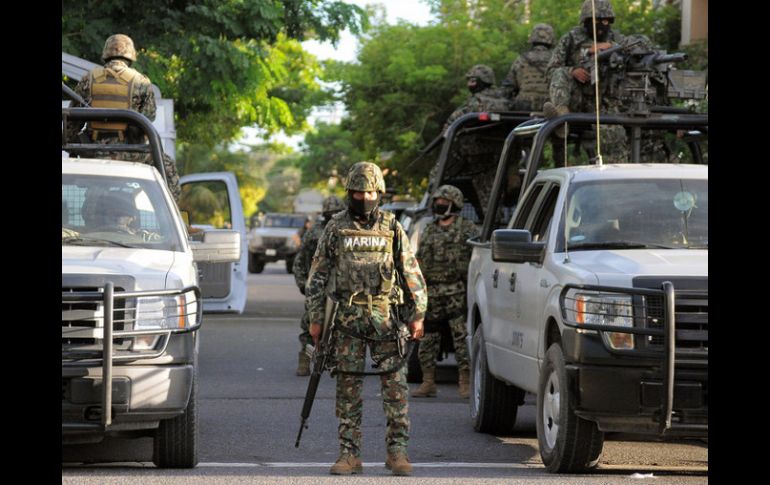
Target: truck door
<point x="212" y="201"/>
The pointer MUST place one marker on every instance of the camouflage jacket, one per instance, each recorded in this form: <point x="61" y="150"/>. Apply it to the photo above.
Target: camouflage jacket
<point x="573" y="47"/>
<point x="489" y="99"/>
<point x="327" y="259"/>
<point x="444" y="257"/>
<point x="526" y="78"/>
<point x="304" y="257"/>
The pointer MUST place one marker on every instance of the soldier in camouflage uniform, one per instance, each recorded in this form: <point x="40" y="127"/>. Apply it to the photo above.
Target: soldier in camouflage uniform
<point x="484" y="95"/>
<point x="444" y="258"/>
<point x="364" y="263"/>
<point x="526" y="83"/>
<point x="118" y="85"/>
<point x="570" y="87"/>
<point x="331" y="205"/>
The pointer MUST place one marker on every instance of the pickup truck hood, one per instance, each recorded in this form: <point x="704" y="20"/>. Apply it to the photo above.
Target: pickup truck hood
<point x="150" y="267"/>
<point x="276" y="231"/>
<point x="637" y="262"/>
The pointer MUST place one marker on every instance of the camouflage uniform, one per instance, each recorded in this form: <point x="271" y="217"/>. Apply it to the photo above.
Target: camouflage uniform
<point x="304" y="257"/>
<point x="526" y="82"/>
<point x="487" y="99"/>
<point x="444" y="258"/>
<point x="564" y="90"/>
<point x="363" y="258"/>
<point x="117" y="85"/>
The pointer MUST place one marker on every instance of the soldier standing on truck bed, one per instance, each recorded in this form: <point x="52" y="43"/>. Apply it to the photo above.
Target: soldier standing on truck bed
<point x="117" y="85"/>
<point x="444" y="258"/>
<point x="526" y="82"/>
<point x="301" y="269"/>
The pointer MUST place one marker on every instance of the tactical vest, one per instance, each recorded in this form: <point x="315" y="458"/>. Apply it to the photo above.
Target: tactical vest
<point x="533" y="85"/>
<point x="365" y="268"/>
<point x="492" y="99"/>
<point x="112" y="89"/>
<point x="440" y="250"/>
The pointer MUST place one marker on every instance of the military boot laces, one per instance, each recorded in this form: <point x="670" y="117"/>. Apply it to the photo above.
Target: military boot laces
<point x="347" y="464"/>
<point x="428" y="386"/>
<point x="398" y="464"/>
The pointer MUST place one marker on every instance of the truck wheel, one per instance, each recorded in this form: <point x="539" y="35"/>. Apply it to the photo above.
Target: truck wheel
<point x="256" y="265"/>
<point x="568" y="443"/>
<point x="290" y="265"/>
<point x="176" y="440"/>
<point x="414" y="371"/>
<point x="494" y="405"/>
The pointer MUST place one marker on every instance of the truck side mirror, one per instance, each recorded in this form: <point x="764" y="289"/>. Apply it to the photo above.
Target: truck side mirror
<point x="516" y="246"/>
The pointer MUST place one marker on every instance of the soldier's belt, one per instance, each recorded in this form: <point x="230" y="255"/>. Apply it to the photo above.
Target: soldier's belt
<point x="368" y="300"/>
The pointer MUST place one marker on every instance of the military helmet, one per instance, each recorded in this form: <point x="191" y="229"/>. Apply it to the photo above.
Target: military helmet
<point x="603" y="10"/>
<point x="365" y="177"/>
<point x="332" y="204"/>
<point x="541" y="34"/>
<point x="482" y="73"/>
<point x="450" y="193"/>
<point x="119" y="45"/>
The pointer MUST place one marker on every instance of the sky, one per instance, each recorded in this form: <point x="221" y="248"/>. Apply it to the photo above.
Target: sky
<point x="413" y="11"/>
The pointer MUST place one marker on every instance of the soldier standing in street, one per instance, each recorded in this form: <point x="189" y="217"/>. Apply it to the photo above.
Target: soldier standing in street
<point x="331" y="205"/>
<point x="570" y="88"/>
<point x="526" y="82"/>
<point x="444" y="259"/>
<point x="365" y="264"/>
<point x="118" y="85"/>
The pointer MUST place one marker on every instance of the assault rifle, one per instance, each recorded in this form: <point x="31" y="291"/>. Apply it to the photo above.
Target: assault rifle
<point x="320" y="359"/>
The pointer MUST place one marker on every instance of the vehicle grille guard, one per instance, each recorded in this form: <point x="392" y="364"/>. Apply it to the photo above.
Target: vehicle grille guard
<point x="108" y="334"/>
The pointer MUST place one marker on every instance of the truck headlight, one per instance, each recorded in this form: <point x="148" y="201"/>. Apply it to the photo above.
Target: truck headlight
<point x="604" y="309"/>
<point x="166" y="312"/>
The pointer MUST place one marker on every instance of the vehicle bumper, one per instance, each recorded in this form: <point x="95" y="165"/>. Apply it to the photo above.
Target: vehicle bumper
<point x="280" y="253"/>
<point x="623" y="394"/>
<point x="141" y="397"/>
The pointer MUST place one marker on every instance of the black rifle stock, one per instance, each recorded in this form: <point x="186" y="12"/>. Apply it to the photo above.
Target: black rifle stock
<point x="321" y="356"/>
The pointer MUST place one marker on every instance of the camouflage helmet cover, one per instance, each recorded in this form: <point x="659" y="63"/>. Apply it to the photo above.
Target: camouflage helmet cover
<point x="450" y="193"/>
<point x="119" y="45"/>
<point x="603" y="10"/>
<point x="541" y="34"/>
<point x="365" y="177"/>
<point x="483" y="73"/>
<point x="332" y="204"/>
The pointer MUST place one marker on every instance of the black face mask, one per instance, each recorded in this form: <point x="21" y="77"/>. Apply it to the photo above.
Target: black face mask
<point x="442" y="211"/>
<point x="362" y="208"/>
<point x="602" y="31"/>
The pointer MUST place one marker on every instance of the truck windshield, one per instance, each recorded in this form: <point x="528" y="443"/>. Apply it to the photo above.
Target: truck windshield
<point x="116" y="211"/>
<point x="631" y="214"/>
<point x="284" y="221"/>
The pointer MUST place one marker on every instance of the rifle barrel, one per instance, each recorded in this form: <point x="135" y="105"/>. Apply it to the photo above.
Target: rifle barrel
<point x="674" y="57"/>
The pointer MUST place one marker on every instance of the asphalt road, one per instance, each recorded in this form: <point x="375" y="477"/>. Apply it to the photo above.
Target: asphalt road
<point x="250" y="401"/>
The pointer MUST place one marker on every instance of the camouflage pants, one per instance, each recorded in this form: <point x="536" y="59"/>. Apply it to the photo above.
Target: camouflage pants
<point x="350" y="355"/>
<point x="304" y="335"/>
<point x="450" y="308"/>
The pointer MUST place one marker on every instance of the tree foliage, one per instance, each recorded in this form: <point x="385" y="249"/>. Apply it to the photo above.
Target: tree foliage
<point x="226" y="63"/>
<point x="408" y="79"/>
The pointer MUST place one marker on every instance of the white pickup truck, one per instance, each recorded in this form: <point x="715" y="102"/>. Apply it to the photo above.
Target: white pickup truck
<point x="595" y="298"/>
<point x="131" y="305"/>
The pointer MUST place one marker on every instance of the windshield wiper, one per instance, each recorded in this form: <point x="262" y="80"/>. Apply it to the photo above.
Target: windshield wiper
<point x="618" y="245"/>
<point x="87" y="241"/>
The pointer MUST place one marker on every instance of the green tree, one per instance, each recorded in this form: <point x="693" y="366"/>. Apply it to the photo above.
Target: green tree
<point x="226" y="63"/>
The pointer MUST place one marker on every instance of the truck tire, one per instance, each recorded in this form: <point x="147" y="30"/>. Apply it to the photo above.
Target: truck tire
<point x="290" y="264"/>
<point x="494" y="405"/>
<point x="176" y="440"/>
<point x="568" y="443"/>
<point x="413" y="370"/>
<point x="256" y="265"/>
